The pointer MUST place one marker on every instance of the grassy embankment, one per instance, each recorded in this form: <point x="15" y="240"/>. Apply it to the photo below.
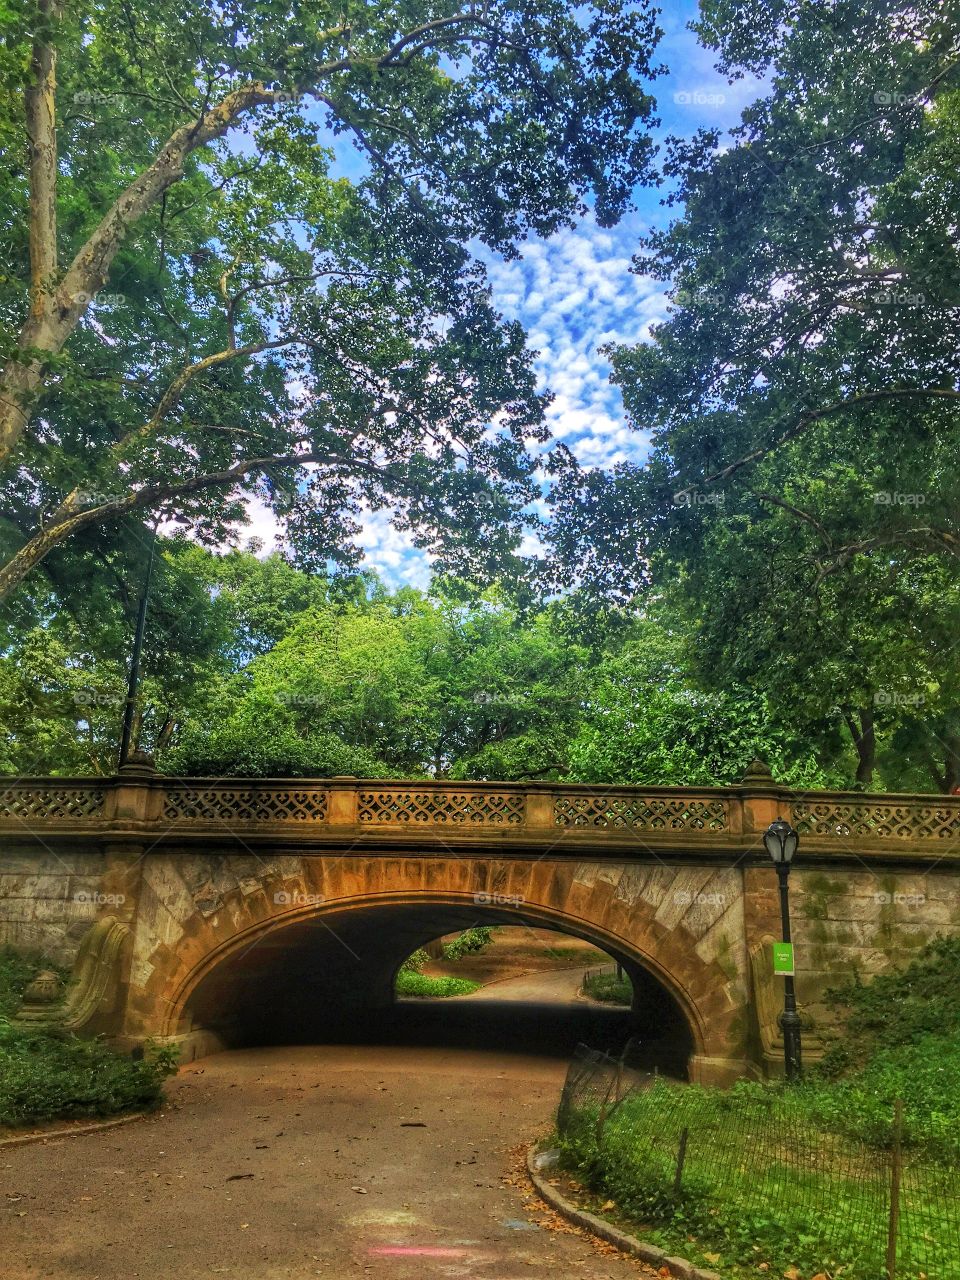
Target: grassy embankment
<point x="608" y="988"/>
<point x="795" y="1181"/>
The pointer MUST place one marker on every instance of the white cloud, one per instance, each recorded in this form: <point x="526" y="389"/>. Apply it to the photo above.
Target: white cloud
<point x="575" y="293"/>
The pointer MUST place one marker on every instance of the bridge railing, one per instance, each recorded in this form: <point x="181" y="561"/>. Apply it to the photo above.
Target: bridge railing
<point x="702" y="818"/>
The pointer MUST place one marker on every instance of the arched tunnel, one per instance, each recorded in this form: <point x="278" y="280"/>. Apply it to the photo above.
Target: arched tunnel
<point x="329" y="977"/>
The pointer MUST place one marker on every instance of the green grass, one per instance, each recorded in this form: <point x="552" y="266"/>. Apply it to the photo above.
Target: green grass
<point x="45" y="1076"/>
<point x="799" y="1177"/>
<point x="760" y="1184"/>
<point x="411" y="983"/>
<point x="609" y="988"/>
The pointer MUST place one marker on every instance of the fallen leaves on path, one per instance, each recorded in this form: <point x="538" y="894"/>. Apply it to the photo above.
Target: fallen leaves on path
<point x="518" y="1178"/>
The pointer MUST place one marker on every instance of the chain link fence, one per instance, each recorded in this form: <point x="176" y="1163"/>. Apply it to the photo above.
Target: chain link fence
<point x="749" y="1177"/>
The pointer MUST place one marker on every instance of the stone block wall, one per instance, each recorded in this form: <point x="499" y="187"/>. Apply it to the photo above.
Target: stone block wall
<point x="48" y="901"/>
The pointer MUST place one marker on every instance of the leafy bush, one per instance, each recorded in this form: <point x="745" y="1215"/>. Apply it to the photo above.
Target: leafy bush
<point x="243" y="750"/>
<point x="468" y="942"/>
<point x="901" y="1039"/>
<point x="415" y="962"/>
<point x="45" y="1075"/>
<point x="411" y="983"/>
<point x="901" y="1008"/>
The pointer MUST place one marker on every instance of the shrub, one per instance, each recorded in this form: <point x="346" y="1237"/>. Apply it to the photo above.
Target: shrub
<point x="411" y="983"/>
<point x="609" y="988"/>
<point x="46" y="1075"/>
<point x="468" y="942"/>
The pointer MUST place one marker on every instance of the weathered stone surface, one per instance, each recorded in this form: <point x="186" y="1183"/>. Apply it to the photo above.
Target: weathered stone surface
<point x="647" y="877"/>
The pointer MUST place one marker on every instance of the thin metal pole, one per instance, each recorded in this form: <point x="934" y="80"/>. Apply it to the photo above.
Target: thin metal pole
<point x="681" y="1158"/>
<point x="896" y="1173"/>
<point x="133" y="682"/>
<point x="790" y="1019"/>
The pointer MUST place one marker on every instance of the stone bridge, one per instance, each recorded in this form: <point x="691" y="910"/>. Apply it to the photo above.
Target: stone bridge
<point x="216" y="912"/>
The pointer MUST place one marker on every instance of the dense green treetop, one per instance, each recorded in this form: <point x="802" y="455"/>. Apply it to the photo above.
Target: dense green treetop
<point x="799" y="507"/>
<point x="197" y="302"/>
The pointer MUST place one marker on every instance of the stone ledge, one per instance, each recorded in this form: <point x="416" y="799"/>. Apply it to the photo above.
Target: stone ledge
<point x="51" y="1135"/>
<point x="649" y="1253"/>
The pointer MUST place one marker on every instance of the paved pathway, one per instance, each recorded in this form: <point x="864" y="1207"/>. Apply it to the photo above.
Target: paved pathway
<point x="300" y="1162"/>
<point x="549" y="986"/>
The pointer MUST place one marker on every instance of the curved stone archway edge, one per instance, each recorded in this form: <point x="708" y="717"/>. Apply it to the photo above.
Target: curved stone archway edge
<point x="188" y="923"/>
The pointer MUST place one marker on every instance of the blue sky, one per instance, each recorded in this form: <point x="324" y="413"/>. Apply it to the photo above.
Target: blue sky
<point x="575" y="291"/>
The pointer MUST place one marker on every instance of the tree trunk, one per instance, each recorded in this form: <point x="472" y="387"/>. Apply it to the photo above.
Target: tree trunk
<point x="165" y="734"/>
<point x="864" y="740"/>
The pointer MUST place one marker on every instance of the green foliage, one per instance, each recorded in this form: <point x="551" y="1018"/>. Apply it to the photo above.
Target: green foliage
<point x="418" y="984"/>
<point x="898" y="1038"/>
<point x="17" y="970"/>
<point x="646" y="721"/>
<point x="272" y="315"/>
<point x="469" y="942"/>
<point x="64" y="658"/>
<point x="390" y="684"/>
<point x="764" y="1181"/>
<point x="903" y="1007"/>
<point x="45" y="1076"/>
<point x="901" y="1039"/>
<point x="798" y="509"/>
<point x="415" y="961"/>
<point x="923" y="1074"/>
<point x="609" y="988"/>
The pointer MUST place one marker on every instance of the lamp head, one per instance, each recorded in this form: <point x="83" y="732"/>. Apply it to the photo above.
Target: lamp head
<point x="781" y="842"/>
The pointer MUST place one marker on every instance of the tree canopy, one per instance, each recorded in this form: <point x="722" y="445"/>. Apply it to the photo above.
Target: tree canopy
<point x="248" y="264"/>
<point x="800" y="500"/>
<point x="204" y="300"/>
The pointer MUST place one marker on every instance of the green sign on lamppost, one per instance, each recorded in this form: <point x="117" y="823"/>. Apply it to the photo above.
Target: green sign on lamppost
<point x="781" y="842"/>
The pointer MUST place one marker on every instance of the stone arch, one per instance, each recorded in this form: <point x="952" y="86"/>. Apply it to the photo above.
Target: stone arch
<point x="544" y="917"/>
<point x="604" y="903"/>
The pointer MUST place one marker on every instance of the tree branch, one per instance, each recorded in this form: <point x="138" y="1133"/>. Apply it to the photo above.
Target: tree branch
<point x="816" y="415"/>
<point x="45" y="334"/>
<point x="48" y="331"/>
<point x="58" y="530"/>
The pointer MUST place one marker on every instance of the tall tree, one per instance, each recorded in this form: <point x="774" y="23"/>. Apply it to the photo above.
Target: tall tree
<point x="400" y="684"/>
<point x="816" y="266"/>
<point x="648" y="720"/>
<point x="65" y="653"/>
<point x="209" y="311"/>
<point x="803" y="397"/>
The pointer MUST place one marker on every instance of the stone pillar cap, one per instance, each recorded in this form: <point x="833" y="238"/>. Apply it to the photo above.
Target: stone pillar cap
<point x="758" y="771"/>
<point x="139" y="764"/>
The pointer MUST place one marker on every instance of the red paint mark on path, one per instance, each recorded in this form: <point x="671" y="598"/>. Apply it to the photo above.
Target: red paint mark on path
<point x="423" y="1251"/>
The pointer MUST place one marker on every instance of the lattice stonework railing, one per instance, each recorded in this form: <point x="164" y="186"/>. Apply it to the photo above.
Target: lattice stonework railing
<point x="242" y="804"/>
<point x="463" y="808"/>
<point x="43" y="803"/>
<point x="640" y="813"/>
<point x="915" y="820"/>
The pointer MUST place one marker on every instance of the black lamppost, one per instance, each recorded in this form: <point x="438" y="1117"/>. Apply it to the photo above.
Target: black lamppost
<point x="133" y="683"/>
<point x="781" y="843"/>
